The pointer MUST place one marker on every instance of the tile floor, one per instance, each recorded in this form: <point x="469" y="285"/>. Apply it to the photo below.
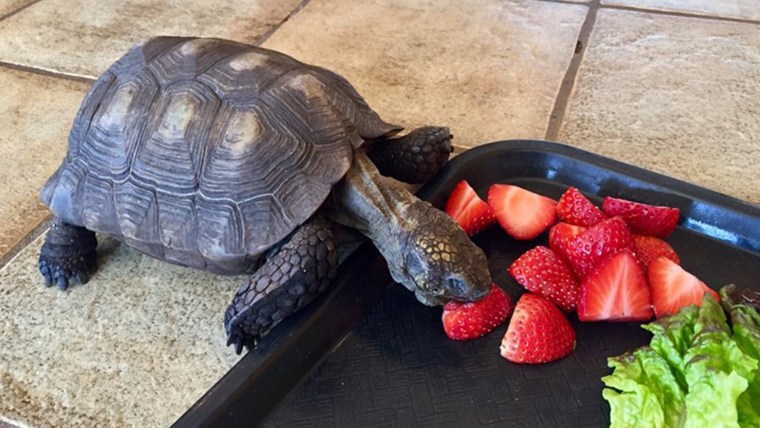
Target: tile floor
<point x="672" y="86"/>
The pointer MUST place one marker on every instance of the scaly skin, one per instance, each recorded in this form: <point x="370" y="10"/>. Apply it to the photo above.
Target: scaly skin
<point x="68" y="255"/>
<point x="425" y="250"/>
<point x="290" y="278"/>
<point x="415" y="157"/>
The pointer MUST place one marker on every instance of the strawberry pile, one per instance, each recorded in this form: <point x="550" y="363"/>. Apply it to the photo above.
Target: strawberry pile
<point x="608" y="264"/>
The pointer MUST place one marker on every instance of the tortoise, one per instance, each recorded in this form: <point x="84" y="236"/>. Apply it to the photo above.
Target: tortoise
<point x="234" y="159"/>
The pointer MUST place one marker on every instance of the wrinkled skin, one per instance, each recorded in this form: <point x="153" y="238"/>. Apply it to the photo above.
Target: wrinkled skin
<point x="444" y="264"/>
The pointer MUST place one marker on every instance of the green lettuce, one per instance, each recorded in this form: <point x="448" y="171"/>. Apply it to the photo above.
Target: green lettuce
<point x="696" y="372"/>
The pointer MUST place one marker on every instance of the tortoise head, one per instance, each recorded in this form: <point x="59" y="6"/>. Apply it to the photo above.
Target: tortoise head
<point x="443" y="264"/>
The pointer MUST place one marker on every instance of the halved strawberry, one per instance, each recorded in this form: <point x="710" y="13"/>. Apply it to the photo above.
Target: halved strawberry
<point x="521" y="213"/>
<point x="653" y="220"/>
<point x="560" y="237"/>
<point x="463" y="321"/>
<point x="538" y="332"/>
<point x="542" y="271"/>
<point x="616" y="291"/>
<point x="674" y="288"/>
<point x="574" y="208"/>
<point x="466" y="208"/>
<point x="597" y="243"/>
<point x="649" y="248"/>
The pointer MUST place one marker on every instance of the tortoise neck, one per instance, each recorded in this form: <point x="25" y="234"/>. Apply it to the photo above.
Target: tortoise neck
<point x="380" y="208"/>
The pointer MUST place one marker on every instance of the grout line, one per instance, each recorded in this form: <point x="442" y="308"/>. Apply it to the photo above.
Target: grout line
<point x="568" y="82"/>
<point x="682" y="14"/>
<point x="22" y="8"/>
<point x="25" y="241"/>
<point x="260" y="41"/>
<point x="44" y="72"/>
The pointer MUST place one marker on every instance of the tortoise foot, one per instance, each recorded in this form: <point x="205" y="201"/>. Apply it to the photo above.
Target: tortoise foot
<point x="68" y="255"/>
<point x="415" y="157"/>
<point x="291" y="277"/>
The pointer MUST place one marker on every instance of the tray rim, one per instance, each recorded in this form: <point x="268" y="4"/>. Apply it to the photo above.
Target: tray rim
<point x="225" y="401"/>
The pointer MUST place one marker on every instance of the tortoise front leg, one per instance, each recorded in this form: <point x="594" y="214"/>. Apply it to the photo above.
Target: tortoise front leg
<point x="415" y="157"/>
<point x="68" y="254"/>
<point x="290" y="278"/>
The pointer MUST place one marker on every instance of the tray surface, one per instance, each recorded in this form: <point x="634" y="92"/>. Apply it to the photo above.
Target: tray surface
<point x="397" y="368"/>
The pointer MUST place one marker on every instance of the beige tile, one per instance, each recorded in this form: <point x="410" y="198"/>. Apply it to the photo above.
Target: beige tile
<point x="742" y="9"/>
<point x="136" y="346"/>
<point x="83" y="37"/>
<point x="35" y="116"/>
<point x="489" y="70"/>
<point x="8" y="6"/>
<point x="675" y="95"/>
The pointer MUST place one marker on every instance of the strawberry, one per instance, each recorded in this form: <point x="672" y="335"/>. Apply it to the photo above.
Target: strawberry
<point x="560" y="237"/>
<point x="521" y="213"/>
<point x="538" y="332"/>
<point x="673" y="287"/>
<point x="597" y="243"/>
<point x="648" y="248"/>
<point x="466" y="208"/>
<point x="463" y="321"/>
<point x="616" y="291"/>
<point x="643" y="219"/>
<point x="542" y="271"/>
<point x="574" y="208"/>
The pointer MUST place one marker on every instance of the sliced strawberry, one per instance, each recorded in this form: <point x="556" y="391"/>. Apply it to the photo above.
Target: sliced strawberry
<point x="597" y="243"/>
<point x="674" y="288"/>
<point x="616" y="291"/>
<point x="644" y="219"/>
<point x="560" y="237"/>
<point x="649" y="248"/>
<point x="538" y="332"/>
<point x="521" y="213"/>
<point x="574" y="208"/>
<point x="542" y="271"/>
<point x="466" y="208"/>
<point x="463" y="321"/>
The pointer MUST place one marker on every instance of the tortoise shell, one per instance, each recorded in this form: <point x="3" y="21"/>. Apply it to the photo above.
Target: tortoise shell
<point x="207" y="152"/>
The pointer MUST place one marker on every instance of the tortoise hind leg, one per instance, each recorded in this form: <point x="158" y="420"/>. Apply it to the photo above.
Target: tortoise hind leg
<point x="414" y="158"/>
<point x="291" y="277"/>
<point x="68" y="254"/>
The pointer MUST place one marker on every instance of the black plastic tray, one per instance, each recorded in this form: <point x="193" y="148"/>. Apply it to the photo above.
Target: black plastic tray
<point x="395" y="367"/>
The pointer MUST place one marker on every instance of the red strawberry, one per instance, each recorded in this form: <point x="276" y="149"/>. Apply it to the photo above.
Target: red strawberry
<point x="644" y="219"/>
<point x="466" y="208"/>
<point x="597" y="243"/>
<point x="542" y="271"/>
<point x="463" y="321"/>
<point x="648" y="248"/>
<point x="616" y="291"/>
<point x="574" y="208"/>
<point x="521" y="213"/>
<point x="673" y="287"/>
<point x="560" y="237"/>
<point x="537" y="333"/>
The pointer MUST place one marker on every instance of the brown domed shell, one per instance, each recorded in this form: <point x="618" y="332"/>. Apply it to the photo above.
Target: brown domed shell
<point x="207" y="152"/>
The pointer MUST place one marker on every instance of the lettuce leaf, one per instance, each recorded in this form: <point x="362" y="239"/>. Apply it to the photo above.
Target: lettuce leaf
<point x="648" y="396"/>
<point x="746" y="333"/>
<point x="696" y="372"/>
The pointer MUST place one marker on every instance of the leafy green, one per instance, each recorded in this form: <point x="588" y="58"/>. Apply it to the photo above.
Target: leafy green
<point x="696" y="372"/>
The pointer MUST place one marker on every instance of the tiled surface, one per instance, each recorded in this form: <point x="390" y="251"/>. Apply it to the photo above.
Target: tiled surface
<point x="672" y="96"/>
<point x="143" y="340"/>
<point x="83" y="37"/>
<point x="35" y="126"/>
<point x="136" y="346"/>
<point x="8" y="6"/>
<point x="741" y="9"/>
<point x="489" y="70"/>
